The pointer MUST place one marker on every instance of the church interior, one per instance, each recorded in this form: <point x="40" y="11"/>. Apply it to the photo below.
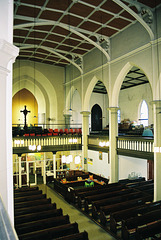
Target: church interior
<point x="80" y="138"/>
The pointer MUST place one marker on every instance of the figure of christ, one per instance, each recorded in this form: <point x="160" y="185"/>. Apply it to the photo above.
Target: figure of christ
<point x="25" y="112"/>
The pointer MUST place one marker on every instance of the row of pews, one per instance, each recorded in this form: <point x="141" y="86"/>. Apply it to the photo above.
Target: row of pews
<point x="126" y="209"/>
<point x="36" y="217"/>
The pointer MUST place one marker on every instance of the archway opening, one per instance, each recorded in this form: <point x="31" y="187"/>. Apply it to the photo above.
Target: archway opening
<point x="96" y="118"/>
<point x="20" y="99"/>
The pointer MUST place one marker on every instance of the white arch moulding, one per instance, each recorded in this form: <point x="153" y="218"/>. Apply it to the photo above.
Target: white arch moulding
<point x="47" y="89"/>
<point x="87" y="95"/>
<point x="114" y="97"/>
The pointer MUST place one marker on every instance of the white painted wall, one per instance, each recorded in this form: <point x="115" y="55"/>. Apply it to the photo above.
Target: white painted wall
<point x="130" y="99"/>
<point x="100" y="167"/>
<point x="130" y="164"/>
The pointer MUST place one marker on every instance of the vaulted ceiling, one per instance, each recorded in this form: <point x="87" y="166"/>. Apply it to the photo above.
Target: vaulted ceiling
<point x="60" y="32"/>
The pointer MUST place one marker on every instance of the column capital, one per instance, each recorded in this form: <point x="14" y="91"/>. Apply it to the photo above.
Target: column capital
<point x="7" y="52"/>
<point x="85" y="113"/>
<point x="113" y="109"/>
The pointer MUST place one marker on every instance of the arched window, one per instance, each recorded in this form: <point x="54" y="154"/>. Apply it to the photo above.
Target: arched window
<point x="144" y="113"/>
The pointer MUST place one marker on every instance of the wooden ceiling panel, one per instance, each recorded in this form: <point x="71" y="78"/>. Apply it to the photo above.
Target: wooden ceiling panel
<point x="111" y="7"/>
<point x="61" y="31"/>
<point x="55" y="38"/>
<point x="28" y="11"/>
<point x="118" y="23"/>
<point x="46" y="28"/>
<point x="127" y="15"/>
<point x="18" y="40"/>
<point x="101" y="17"/>
<point x="81" y="9"/>
<point x="71" y="20"/>
<point x="49" y="44"/>
<point x="20" y="32"/>
<point x="35" y="34"/>
<point x="107" y="31"/>
<point x="35" y="2"/>
<point x="50" y="15"/>
<point x="90" y="26"/>
<point x="65" y="48"/>
<point x="95" y="2"/>
<point x="79" y="51"/>
<point x="86" y="46"/>
<point x="33" y="41"/>
<point x="152" y="3"/>
<point x="59" y="4"/>
<point x="71" y="42"/>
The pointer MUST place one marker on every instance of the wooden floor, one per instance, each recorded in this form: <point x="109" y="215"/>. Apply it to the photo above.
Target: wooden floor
<point x="95" y="232"/>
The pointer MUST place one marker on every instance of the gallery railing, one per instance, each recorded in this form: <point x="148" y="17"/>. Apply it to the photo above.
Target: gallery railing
<point x="141" y="144"/>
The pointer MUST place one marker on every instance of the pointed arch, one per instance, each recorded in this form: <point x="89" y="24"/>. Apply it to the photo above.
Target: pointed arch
<point x="88" y="93"/>
<point x="119" y="80"/>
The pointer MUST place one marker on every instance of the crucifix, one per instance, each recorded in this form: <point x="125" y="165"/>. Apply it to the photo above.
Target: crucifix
<point x="25" y="112"/>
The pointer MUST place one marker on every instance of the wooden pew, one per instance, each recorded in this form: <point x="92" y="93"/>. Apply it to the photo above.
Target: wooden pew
<point x="29" y="198"/>
<point x="27" y="193"/>
<point x="75" y="236"/>
<point x="97" y="204"/>
<point x="149" y="231"/>
<point x="118" y="216"/>
<point x="37" y="216"/>
<point x="51" y="233"/>
<point x="83" y="195"/>
<point x="24" y="189"/>
<point x="33" y="209"/>
<point x="129" y="225"/>
<point x="41" y="224"/>
<point x="140" y="183"/>
<point x="109" y="194"/>
<point x="72" y="194"/>
<point x="108" y="209"/>
<point x="32" y="203"/>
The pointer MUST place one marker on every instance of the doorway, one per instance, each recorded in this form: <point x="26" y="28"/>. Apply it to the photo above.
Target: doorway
<point x="96" y="118"/>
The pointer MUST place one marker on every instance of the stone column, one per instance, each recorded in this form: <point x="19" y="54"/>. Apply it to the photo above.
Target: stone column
<point x="113" y="133"/>
<point x="54" y="164"/>
<point x="85" y="133"/>
<point x="8" y="53"/>
<point x="157" y="150"/>
<point x="67" y="117"/>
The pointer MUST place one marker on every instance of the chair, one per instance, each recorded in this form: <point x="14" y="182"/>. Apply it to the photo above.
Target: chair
<point x="66" y="131"/>
<point x="61" y="131"/>
<point x="71" y="131"/>
<point x="56" y="132"/>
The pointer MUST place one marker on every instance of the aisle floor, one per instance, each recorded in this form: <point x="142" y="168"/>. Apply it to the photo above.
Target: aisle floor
<point x="95" y="232"/>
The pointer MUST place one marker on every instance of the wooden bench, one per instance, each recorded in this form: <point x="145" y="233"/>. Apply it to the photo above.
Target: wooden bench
<point x="83" y="195"/>
<point x="51" y="233"/>
<point x="118" y="216"/>
<point x="32" y="203"/>
<point x="140" y="183"/>
<point x="37" y="216"/>
<point x="97" y="204"/>
<point x="76" y="236"/>
<point x="129" y="225"/>
<point x="72" y="194"/>
<point x="33" y="209"/>
<point x="41" y="224"/>
<point x="88" y="200"/>
<point x="149" y="231"/>
<point x="27" y="193"/>
<point x="29" y="198"/>
<point x="24" y="189"/>
<point x="108" y="209"/>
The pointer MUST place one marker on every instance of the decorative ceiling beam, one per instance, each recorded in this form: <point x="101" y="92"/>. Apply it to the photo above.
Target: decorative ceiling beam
<point x="137" y="16"/>
<point x="54" y="52"/>
<point x="71" y="29"/>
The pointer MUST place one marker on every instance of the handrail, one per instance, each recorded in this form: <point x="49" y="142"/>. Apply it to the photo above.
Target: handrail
<point x="7" y="232"/>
